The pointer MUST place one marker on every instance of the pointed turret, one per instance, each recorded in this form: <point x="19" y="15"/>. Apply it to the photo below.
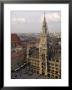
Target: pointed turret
<point x="43" y="49"/>
<point x="44" y="26"/>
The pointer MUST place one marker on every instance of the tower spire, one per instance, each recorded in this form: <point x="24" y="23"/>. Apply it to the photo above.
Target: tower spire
<point x="44" y="24"/>
<point x="44" y="16"/>
<point x="43" y="50"/>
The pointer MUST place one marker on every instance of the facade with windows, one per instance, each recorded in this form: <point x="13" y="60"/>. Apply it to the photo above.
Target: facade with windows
<point x="40" y="55"/>
<point x="43" y="64"/>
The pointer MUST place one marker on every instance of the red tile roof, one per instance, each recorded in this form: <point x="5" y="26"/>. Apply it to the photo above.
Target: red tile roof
<point x="15" y="38"/>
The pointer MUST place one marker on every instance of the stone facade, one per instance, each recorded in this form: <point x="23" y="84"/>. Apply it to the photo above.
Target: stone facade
<point x="43" y="49"/>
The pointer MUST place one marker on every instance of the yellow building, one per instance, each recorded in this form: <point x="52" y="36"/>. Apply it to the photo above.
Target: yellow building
<point x="54" y="68"/>
<point x="42" y="65"/>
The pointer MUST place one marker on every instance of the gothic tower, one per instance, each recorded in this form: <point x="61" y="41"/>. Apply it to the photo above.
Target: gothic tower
<point x="43" y="49"/>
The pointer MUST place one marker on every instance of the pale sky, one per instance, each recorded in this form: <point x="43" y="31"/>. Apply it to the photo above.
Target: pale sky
<point x="31" y="21"/>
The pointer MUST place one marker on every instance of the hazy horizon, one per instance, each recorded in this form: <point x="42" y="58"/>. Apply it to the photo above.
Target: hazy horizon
<point x="31" y="21"/>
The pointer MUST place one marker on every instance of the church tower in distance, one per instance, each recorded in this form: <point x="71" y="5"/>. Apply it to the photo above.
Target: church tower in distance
<point x="43" y="49"/>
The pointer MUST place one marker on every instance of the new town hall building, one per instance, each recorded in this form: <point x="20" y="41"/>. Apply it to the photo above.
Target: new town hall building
<point x="42" y="65"/>
<point x="40" y="58"/>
